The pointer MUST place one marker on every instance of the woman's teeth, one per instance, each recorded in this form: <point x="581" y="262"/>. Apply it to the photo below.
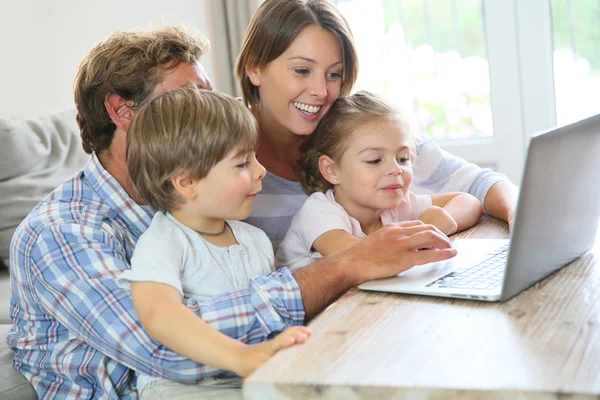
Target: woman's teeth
<point x="306" y="108"/>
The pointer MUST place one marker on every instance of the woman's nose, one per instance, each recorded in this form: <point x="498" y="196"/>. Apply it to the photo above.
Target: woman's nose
<point x="318" y="87"/>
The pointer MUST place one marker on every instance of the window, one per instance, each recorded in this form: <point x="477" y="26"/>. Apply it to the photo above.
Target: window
<point x="481" y="76"/>
<point x="429" y="58"/>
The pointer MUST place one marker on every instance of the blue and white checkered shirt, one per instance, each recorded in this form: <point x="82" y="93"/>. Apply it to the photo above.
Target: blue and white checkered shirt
<point x="75" y="333"/>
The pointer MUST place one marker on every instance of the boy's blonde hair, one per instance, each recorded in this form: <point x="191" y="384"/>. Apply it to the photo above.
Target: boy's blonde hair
<point x="331" y="137"/>
<point x="183" y="130"/>
<point x="130" y="64"/>
<point x="276" y="24"/>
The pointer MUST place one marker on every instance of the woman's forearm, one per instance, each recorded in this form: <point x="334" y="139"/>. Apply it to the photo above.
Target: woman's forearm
<point x="501" y="200"/>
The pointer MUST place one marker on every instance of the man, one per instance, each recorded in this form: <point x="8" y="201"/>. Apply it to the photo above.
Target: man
<point x="75" y="331"/>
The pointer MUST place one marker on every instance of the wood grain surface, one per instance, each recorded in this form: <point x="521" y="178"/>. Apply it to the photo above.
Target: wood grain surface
<point x="542" y="344"/>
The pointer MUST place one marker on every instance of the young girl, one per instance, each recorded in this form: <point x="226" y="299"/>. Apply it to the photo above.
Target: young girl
<point x="357" y="169"/>
<point x="297" y="58"/>
<point x="190" y="155"/>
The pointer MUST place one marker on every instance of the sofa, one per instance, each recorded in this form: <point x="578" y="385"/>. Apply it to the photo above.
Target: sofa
<point x="36" y="155"/>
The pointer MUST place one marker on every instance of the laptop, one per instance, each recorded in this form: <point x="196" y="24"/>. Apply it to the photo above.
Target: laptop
<point x="556" y="222"/>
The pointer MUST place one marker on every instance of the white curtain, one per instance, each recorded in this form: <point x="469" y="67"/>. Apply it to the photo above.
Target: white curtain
<point x="227" y="20"/>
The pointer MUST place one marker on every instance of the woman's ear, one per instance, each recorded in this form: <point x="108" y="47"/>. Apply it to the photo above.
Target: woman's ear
<point x="119" y="110"/>
<point x="253" y="75"/>
<point x="184" y="185"/>
<point x="329" y="169"/>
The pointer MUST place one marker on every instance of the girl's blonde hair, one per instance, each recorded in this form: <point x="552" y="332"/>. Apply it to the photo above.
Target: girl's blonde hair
<point x="331" y="137"/>
<point x="183" y="130"/>
<point x="276" y="24"/>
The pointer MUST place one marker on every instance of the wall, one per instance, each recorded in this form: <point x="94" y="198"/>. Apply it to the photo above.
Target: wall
<point x="41" y="43"/>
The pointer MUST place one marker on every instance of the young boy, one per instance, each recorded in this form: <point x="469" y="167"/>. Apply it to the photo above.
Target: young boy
<point x="190" y="156"/>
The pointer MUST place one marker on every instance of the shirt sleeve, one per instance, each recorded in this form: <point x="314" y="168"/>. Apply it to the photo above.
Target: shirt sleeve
<point x="317" y="216"/>
<point x="438" y="171"/>
<point x="267" y="247"/>
<point x="418" y="204"/>
<point x="158" y="257"/>
<point x="73" y="276"/>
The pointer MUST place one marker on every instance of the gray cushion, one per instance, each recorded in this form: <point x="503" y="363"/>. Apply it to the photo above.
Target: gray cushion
<point x="36" y="156"/>
<point x="13" y="386"/>
<point x="4" y="298"/>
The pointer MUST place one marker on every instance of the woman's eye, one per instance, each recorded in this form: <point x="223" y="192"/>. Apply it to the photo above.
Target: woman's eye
<point x="374" y="162"/>
<point x="301" y="71"/>
<point x="334" y="76"/>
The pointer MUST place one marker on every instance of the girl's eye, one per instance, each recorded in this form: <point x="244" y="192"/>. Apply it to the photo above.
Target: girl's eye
<point x="374" y="162"/>
<point x="403" y="160"/>
<point x="243" y="165"/>
<point x="301" y="71"/>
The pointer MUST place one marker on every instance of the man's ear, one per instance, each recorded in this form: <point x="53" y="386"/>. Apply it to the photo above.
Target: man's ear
<point x="329" y="169"/>
<point x="184" y="185"/>
<point x="253" y="75"/>
<point x="119" y="110"/>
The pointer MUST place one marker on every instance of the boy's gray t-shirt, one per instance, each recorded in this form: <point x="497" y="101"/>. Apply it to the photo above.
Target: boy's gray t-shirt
<point x="171" y="253"/>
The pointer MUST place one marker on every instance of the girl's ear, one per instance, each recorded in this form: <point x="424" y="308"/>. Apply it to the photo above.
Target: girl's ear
<point x="329" y="169"/>
<point x="253" y="75"/>
<point x="184" y="185"/>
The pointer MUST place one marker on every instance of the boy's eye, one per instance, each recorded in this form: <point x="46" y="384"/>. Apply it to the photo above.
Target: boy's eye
<point x="375" y="161"/>
<point x="301" y="71"/>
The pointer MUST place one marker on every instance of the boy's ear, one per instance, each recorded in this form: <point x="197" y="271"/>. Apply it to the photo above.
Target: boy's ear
<point x="119" y="110"/>
<point x="329" y="169"/>
<point x="253" y="75"/>
<point x="184" y="185"/>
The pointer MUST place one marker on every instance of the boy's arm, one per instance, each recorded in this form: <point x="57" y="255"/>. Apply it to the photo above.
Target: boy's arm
<point x="77" y="285"/>
<point x="168" y="321"/>
<point x="462" y="207"/>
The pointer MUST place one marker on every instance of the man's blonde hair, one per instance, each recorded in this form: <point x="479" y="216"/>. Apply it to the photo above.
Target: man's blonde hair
<point x="332" y="135"/>
<point x="129" y="64"/>
<point x="276" y="24"/>
<point x="185" y="130"/>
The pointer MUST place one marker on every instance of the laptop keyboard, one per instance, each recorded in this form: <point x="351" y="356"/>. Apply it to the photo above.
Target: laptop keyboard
<point x="488" y="274"/>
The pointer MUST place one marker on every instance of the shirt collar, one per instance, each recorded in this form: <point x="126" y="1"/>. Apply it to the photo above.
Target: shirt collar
<point x="112" y="193"/>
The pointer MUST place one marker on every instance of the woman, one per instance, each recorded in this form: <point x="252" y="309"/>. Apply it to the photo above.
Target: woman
<point x="297" y="57"/>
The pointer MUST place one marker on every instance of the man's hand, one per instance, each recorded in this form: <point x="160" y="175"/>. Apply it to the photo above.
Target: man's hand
<point x="439" y="218"/>
<point x="394" y="248"/>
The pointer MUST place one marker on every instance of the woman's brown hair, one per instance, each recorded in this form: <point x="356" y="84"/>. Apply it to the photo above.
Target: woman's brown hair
<point x="276" y="24"/>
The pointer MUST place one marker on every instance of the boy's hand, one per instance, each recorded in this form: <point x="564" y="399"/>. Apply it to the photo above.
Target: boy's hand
<point x="253" y="356"/>
<point x="439" y="218"/>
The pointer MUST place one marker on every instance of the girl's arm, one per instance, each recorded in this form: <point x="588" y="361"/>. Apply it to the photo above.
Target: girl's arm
<point x="168" y="321"/>
<point x="334" y="241"/>
<point x="439" y="171"/>
<point x="453" y="212"/>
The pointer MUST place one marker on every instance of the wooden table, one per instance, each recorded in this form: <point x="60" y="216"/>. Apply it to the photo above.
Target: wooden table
<point x="542" y="344"/>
